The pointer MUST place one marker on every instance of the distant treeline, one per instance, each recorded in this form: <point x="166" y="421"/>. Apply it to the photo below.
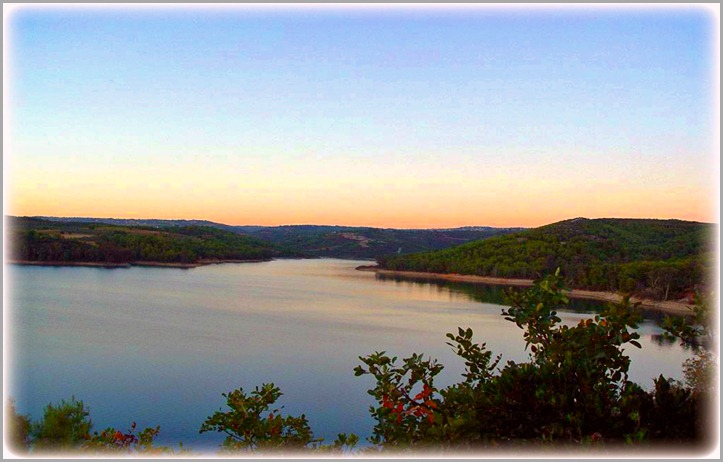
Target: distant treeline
<point x="659" y="259"/>
<point x="369" y="243"/>
<point x="43" y="241"/>
<point x="326" y="240"/>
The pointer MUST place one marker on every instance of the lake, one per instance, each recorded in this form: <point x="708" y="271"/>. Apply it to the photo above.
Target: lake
<point x="158" y="346"/>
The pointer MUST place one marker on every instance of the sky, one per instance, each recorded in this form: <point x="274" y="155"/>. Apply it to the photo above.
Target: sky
<point x="396" y="116"/>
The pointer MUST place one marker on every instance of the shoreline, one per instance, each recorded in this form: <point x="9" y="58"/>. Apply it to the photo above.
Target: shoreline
<point x="159" y="264"/>
<point x="668" y="307"/>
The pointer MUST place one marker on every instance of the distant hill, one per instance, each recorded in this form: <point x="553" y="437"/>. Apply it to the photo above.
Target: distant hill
<point x="331" y="241"/>
<point x="369" y="243"/>
<point x="38" y="240"/>
<point x="659" y="259"/>
<point x="136" y="222"/>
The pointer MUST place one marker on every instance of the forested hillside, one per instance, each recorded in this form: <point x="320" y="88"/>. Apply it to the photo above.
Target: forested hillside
<point x="364" y="242"/>
<point x="325" y="240"/>
<point x="660" y="259"/>
<point x="37" y="240"/>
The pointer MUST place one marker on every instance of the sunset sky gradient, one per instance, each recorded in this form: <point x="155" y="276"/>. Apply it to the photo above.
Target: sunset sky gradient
<point x="404" y="117"/>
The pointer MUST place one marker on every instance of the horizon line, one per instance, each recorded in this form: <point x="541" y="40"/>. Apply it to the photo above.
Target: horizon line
<point x="350" y="225"/>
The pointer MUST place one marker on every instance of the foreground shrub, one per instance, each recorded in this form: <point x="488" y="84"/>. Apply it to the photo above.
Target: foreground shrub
<point x="116" y="442"/>
<point x="250" y="426"/>
<point x="573" y="390"/>
<point x="18" y="429"/>
<point x="63" y="426"/>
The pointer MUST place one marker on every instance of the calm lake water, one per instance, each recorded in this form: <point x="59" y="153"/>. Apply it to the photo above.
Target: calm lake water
<point x="158" y="346"/>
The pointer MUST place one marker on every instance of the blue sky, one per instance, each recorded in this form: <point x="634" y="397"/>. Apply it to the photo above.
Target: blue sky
<point x="286" y="115"/>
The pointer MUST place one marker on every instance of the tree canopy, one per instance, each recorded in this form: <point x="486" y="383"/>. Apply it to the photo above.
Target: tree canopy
<point x="659" y="259"/>
<point x="44" y="241"/>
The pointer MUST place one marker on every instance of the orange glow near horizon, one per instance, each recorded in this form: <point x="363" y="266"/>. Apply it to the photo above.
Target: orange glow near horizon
<point x="382" y="121"/>
<point x="400" y="206"/>
<point x="422" y="195"/>
<point x="426" y="196"/>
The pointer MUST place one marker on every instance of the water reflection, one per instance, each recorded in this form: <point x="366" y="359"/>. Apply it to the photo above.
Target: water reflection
<point x="663" y="340"/>
<point x="495" y="294"/>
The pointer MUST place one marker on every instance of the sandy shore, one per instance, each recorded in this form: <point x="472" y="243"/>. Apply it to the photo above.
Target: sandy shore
<point x="69" y="263"/>
<point x="211" y="261"/>
<point x="668" y="307"/>
<point x="203" y="262"/>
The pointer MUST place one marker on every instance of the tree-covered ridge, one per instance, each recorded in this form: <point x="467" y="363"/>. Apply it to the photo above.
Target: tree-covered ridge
<point x="659" y="259"/>
<point x="38" y="240"/>
<point x="328" y="240"/>
<point x="366" y="242"/>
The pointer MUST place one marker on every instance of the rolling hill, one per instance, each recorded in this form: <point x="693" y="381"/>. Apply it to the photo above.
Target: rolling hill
<point x="660" y="259"/>
<point x="37" y="240"/>
<point x="329" y="241"/>
<point x="369" y="243"/>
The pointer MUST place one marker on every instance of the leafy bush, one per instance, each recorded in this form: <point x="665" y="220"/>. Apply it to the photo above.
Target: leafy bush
<point x="63" y="426"/>
<point x="18" y="429"/>
<point x="66" y="426"/>
<point x="574" y="390"/>
<point x="250" y="425"/>
<point x="115" y="441"/>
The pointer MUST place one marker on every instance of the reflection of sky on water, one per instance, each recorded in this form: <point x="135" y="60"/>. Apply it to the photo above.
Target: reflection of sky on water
<point x="494" y="294"/>
<point x="159" y="346"/>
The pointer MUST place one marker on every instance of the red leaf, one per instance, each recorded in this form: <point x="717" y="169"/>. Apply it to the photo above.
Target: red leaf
<point x="426" y="391"/>
<point x="386" y="403"/>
